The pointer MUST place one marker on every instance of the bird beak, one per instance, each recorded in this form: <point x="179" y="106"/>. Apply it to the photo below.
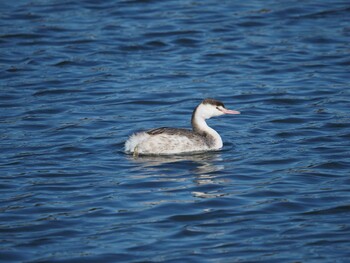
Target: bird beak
<point x="226" y="111"/>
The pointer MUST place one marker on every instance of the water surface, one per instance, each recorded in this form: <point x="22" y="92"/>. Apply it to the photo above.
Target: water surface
<point x="78" y="77"/>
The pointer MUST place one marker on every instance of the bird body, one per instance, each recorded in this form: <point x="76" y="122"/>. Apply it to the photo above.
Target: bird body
<point x="165" y="141"/>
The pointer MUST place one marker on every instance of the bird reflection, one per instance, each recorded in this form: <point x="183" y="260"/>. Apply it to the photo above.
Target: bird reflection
<point x="204" y="167"/>
<point x="201" y="163"/>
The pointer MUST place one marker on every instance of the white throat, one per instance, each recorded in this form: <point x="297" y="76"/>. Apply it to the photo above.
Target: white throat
<point x="200" y="126"/>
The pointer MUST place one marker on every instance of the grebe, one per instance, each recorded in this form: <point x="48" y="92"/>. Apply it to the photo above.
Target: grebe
<point x="165" y="141"/>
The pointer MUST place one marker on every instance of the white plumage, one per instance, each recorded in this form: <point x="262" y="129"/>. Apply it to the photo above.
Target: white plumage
<point x="162" y="141"/>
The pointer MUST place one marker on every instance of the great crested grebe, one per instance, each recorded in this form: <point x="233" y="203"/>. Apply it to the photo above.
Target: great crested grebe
<point x="166" y="141"/>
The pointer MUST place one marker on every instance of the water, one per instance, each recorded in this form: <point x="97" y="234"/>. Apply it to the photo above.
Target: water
<point x="78" y="77"/>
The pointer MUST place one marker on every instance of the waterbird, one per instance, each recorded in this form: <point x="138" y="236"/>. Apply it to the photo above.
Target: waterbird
<point x="171" y="141"/>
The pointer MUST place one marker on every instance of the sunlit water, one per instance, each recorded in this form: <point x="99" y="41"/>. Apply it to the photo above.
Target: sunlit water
<point x="78" y="77"/>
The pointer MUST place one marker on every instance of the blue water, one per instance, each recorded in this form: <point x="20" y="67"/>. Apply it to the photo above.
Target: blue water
<point x="78" y="77"/>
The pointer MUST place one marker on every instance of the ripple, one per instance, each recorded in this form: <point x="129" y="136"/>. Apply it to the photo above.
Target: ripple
<point x="55" y="92"/>
<point x="187" y="42"/>
<point x="345" y="209"/>
<point x="171" y="33"/>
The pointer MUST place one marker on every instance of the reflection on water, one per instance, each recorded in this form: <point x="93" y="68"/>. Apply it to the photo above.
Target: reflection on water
<point x="204" y="166"/>
<point x="201" y="163"/>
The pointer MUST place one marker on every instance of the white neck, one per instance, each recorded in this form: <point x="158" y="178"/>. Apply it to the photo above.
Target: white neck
<point x="200" y="126"/>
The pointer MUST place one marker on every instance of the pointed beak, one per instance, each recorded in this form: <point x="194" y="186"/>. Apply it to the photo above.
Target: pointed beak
<point x="226" y="111"/>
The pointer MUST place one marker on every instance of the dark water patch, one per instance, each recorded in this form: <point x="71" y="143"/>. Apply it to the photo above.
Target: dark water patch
<point x="276" y="161"/>
<point x="12" y="69"/>
<point x="44" y="111"/>
<point x="134" y="47"/>
<point x="12" y="256"/>
<point x="80" y="63"/>
<point x="219" y="55"/>
<point x="333" y="165"/>
<point x="74" y="149"/>
<point x="290" y="12"/>
<point x="171" y="33"/>
<point x="299" y="133"/>
<point x="251" y="24"/>
<point x="289" y="120"/>
<point x="284" y="206"/>
<point x="187" y="42"/>
<point x="327" y="13"/>
<point x="188" y="218"/>
<point x="345" y="136"/>
<point x="156" y="44"/>
<point x="343" y="62"/>
<point x="49" y="92"/>
<point x="23" y="36"/>
<point x="319" y="40"/>
<point x="336" y="125"/>
<point x="331" y="211"/>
